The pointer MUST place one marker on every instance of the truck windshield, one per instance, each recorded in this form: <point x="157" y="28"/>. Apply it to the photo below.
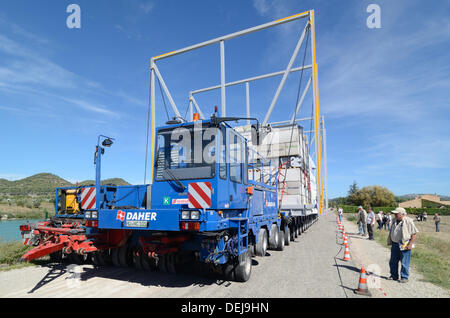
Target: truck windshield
<point x="187" y="152"/>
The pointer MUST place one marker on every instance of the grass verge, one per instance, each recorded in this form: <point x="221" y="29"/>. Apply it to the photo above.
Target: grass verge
<point x="11" y="252"/>
<point x="431" y="257"/>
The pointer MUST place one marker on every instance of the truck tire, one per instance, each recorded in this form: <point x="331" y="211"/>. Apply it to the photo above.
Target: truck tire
<point x="228" y="271"/>
<point x="98" y="258"/>
<point x="287" y="236"/>
<point x="125" y="256"/>
<point x="273" y="237"/>
<point x="162" y="261"/>
<point x="170" y="263"/>
<point x="115" y="257"/>
<point x="137" y="259"/>
<point x="292" y="230"/>
<point x="261" y="246"/>
<point x="243" y="268"/>
<point x="281" y="241"/>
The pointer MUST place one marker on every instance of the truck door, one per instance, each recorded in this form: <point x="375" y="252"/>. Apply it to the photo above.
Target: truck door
<point x="238" y="170"/>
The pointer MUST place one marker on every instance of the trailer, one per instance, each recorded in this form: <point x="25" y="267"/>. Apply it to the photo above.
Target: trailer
<point x="218" y="194"/>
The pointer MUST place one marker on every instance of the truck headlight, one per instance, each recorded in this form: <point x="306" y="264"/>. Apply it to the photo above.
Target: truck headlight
<point x="87" y="214"/>
<point x="185" y="215"/>
<point x="195" y="215"/>
<point x="94" y="214"/>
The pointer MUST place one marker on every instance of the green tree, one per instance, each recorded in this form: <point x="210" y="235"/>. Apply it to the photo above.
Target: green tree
<point x="353" y="189"/>
<point x="373" y="196"/>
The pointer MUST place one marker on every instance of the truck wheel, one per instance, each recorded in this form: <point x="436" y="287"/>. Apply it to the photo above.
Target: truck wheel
<point x="243" y="269"/>
<point x="98" y="258"/>
<point x="273" y="237"/>
<point x="170" y="263"/>
<point x="261" y="246"/>
<point x="292" y="232"/>
<point x="287" y="236"/>
<point x="145" y="262"/>
<point x="137" y="259"/>
<point x="281" y="240"/>
<point x="125" y="256"/>
<point x="162" y="261"/>
<point x="115" y="257"/>
<point x="228" y="271"/>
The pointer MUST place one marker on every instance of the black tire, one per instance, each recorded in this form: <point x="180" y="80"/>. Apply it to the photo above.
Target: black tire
<point x="171" y="263"/>
<point x="292" y="230"/>
<point x="148" y="264"/>
<point x="273" y="237"/>
<point x="56" y="257"/>
<point x="98" y="258"/>
<point x="243" y="269"/>
<point x="125" y="256"/>
<point x="287" y="236"/>
<point x="115" y="257"/>
<point x="228" y="271"/>
<point x="137" y="259"/>
<point x="162" y="261"/>
<point x="261" y="246"/>
<point x="281" y="241"/>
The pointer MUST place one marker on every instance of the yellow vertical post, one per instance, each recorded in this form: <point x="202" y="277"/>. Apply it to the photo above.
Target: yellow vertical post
<point x="317" y="113"/>
<point x="152" y="114"/>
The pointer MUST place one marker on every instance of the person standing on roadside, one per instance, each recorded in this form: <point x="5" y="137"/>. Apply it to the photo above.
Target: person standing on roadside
<point x="361" y="220"/>
<point x="387" y="221"/>
<point x="401" y="237"/>
<point x="340" y="211"/>
<point x="379" y="218"/>
<point x="370" y="223"/>
<point x="424" y="216"/>
<point x="437" y="221"/>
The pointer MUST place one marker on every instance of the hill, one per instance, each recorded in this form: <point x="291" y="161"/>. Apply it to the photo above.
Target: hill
<point x="44" y="184"/>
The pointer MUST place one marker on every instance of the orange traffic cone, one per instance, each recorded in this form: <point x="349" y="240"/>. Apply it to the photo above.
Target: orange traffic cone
<point x="362" y="286"/>
<point x="346" y="253"/>
<point x="345" y="240"/>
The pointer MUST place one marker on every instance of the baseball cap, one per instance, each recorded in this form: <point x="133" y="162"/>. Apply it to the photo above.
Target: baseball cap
<point x="399" y="210"/>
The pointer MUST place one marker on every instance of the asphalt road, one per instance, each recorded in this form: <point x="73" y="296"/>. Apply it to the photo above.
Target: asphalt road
<point x="310" y="267"/>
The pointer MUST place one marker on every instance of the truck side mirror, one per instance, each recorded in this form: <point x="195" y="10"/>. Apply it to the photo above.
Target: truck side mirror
<point x="255" y="135"/>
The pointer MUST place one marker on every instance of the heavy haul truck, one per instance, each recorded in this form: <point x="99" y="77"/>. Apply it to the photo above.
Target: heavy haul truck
<point x="219" y="209"/>
<point x="220" y="194"/>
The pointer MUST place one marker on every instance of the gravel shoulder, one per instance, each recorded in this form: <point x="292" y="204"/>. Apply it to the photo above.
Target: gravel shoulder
<point x="375" y="258"/>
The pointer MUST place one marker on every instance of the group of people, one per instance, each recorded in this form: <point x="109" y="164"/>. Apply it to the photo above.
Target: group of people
<point x="366" y="221"/>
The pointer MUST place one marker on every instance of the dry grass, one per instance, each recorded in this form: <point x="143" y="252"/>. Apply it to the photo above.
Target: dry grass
<point x="23" y="212"/>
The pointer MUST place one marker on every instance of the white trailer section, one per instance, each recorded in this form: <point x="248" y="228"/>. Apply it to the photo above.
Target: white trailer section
<point x="286" y="151"/>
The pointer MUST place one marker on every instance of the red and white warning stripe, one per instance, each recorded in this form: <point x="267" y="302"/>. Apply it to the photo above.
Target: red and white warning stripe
<point x="88" y="197"/>
<point x="199" y="194"/>
<point x="26" y="238"/>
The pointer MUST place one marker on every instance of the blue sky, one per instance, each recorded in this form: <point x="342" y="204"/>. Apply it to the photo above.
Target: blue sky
<point x="385" y="93"/>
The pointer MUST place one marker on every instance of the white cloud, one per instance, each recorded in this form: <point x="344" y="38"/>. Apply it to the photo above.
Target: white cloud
<point x="146" y="7"/>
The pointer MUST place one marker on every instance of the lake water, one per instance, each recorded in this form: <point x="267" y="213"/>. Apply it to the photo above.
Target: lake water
<point x="9" y="230"/>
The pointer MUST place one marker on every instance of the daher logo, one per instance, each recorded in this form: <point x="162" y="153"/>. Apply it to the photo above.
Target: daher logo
<point x="136" y="216"/>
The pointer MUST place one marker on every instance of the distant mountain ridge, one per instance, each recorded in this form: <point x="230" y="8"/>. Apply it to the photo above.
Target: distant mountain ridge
<point x="45" y="184"/>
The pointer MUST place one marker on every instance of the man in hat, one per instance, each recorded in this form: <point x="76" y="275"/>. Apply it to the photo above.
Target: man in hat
<point x="361" y="220"/>
<point x="401" y="237"/>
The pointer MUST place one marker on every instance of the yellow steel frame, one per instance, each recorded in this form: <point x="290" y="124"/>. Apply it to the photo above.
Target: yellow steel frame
<point x="315" y="99"/>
